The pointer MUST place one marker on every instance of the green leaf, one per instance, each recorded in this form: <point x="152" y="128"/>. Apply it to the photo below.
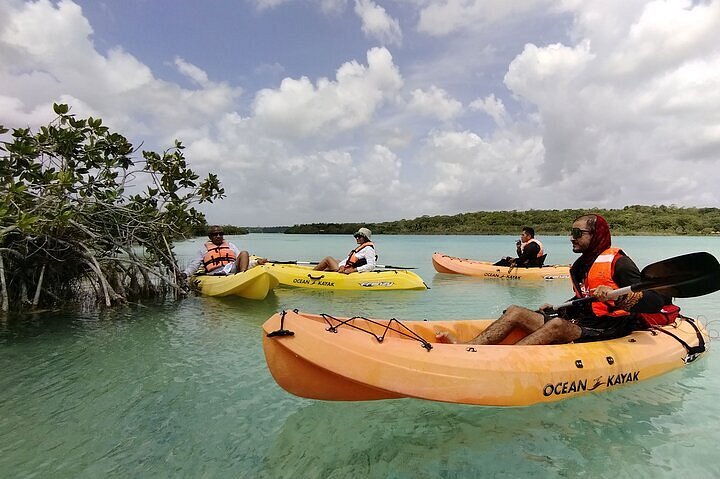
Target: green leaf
<point x="60" y="108"/>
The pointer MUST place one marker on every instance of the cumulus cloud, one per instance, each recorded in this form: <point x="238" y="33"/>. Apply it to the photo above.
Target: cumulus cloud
<point x="493" y="107"/>
<point x="196" y="74"/>
<point x="377" y="24"/>
<point x="299" y="108"/>
<point x="441" y="17"/>
<point x="471" y="169"/>
<point x="434" y="102"/>
<point x="607" y="103"/>
<point x="48" y="56"/>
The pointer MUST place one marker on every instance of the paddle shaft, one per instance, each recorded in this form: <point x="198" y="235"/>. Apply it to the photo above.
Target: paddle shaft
<point x="383" y="266"/>
<point x="614" y="294"/>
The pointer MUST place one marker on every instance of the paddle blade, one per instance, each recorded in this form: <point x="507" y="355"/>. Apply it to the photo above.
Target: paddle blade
<point x="685" y="276"/>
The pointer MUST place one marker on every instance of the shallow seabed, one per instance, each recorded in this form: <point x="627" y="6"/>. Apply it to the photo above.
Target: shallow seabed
<point x="182" y="390"/>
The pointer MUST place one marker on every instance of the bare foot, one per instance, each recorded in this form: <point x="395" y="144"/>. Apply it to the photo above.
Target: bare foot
<point x="445" y="337"/>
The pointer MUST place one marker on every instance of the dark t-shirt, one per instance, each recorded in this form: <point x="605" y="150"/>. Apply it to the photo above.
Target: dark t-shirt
<point x="529" y="255"/>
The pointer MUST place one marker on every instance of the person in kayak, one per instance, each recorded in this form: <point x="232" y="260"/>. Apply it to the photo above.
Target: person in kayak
<point x="220" y="257"/>
<point x="530" y="251"/>
<point x="361" y="258"/>
<point x="599" y="270"/>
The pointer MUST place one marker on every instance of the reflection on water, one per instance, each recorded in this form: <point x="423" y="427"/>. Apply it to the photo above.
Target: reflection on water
<point x="621" y="434"/>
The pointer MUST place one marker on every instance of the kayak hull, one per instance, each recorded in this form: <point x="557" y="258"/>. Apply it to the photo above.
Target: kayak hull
<point x="336" y="359"/>
<point x="485" y="269"/>
<point x="380" y="280"/>
<point x="254" y="283"/>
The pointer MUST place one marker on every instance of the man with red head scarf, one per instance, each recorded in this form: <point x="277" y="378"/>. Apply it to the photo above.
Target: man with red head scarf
<point x="597" y="272"/>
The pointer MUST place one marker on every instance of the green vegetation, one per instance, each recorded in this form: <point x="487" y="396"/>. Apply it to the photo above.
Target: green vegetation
<point x="202" y="230"/>
<point x="268" y="229"/>
<point x="80" y="219"/>
<point x="631" y="220"/>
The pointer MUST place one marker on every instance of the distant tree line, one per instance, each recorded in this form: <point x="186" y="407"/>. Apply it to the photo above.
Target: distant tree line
<point x="630" y="220"/>
<point x="202" y="230"/>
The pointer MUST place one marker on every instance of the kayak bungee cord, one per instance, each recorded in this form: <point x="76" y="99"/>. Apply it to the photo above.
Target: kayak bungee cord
<point x="412" y="335"/>
<point x="333" y="328"/>
<point x="693" y="351"/>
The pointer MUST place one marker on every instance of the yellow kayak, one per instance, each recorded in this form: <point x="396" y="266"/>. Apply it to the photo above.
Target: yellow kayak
<point x="254" y="283"/>
<point x="358" y="359"/>
<point x="485" y="269"/>
<point x="381" y="280"/>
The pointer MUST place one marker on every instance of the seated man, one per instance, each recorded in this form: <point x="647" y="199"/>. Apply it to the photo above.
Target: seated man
<point x="599" y="271"/>
<point x="530" y="251"/>
<point x="220" y="257"/>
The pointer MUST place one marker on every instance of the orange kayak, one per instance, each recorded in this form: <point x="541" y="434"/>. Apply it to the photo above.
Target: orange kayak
<point x="485" y="269"/>
<point x="355" y="359"/>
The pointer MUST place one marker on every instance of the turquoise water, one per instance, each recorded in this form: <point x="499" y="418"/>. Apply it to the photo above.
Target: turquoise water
<point x="182" y="390"/>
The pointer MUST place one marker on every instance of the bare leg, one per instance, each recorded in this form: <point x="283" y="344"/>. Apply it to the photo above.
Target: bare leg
<point x="556" y="330"/>
<point x="242" y="261"/>
<point x="327" y="264"/>
<point x="513" y="317"/>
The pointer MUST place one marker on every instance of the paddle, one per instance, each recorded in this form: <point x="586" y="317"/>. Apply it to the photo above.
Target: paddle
<point x="686" y="276"/>
<point x="383" y="266"/>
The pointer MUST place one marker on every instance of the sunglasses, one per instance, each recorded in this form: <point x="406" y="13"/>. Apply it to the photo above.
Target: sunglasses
<point x="577" y="233"/>
<point x="217" y="233"/>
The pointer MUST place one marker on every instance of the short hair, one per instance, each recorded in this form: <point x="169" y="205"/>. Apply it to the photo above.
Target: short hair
<point x="530" y="231"/>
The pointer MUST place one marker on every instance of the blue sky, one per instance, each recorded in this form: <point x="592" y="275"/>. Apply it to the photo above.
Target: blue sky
<point x="368" y="110"/>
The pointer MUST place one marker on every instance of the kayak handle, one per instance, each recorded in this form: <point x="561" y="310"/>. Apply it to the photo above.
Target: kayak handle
<point x="316" y="278"/>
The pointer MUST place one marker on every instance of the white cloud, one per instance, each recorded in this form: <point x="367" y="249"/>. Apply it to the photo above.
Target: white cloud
<point x="53" y="59"/>
<point x="191" y="71"/>
<point x="377" y="24"/>
<point x="326" y="6"/>
<point x="434" y="102"/>
<point x="268" y="4"/>
<point x="472" y="170"/>
<point x="494" y="107"/>
<point x="441" y="17"/>
<point x="631" y="97"/>
<point x="299" y="108"/>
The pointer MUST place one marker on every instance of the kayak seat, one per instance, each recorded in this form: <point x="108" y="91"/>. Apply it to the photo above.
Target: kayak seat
<point x="541" y="260"/>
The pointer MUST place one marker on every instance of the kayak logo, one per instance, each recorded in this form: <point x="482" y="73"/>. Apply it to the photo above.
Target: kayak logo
<point x="370" y="284"/>
<point x="568" y="387"/>
<point x="313" y="282"/>
<point x="622" y="378"/>
<point x="501" y="276"/>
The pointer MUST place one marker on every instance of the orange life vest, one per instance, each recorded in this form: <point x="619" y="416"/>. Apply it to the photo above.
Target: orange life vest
<point x="353" y="260"/>
<point x="601" y="274"/>
<point x="217" y="256"/>
<point x="533" y="240"/>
